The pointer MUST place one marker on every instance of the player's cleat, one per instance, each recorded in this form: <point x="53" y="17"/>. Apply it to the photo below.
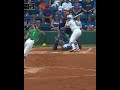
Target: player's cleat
<point x="74" y="50"/>
<point x="25" y="67"/>
<point x="77" y="50"/>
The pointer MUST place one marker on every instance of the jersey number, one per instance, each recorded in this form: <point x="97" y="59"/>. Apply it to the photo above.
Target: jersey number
<point x="33" y="33"/>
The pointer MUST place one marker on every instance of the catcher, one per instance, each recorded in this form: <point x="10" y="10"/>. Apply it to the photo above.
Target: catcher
<point x="61" y="38"/>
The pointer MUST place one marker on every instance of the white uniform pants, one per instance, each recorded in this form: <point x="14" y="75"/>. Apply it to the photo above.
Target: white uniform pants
<point x="75" y="35"/>
<point x="28" y="46"/>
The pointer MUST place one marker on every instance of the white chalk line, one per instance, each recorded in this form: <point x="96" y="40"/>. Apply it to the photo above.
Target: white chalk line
<point x="64" y="77"/>
<point x="65" y="52"/>
<point x="89" y="49"/>
<point x="58" y="47"/>
<point x="61" y="67"/>
<point x="34" y="70"/>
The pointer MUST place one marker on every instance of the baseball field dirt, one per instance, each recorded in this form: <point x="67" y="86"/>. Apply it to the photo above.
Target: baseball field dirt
<point x="60" y="70"/>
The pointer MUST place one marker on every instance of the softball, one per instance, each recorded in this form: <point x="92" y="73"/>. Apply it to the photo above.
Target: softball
<point x="44" y="44"/>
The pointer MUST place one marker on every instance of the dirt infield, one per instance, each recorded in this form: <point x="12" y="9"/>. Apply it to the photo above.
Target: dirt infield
<point x="58" y="70"/>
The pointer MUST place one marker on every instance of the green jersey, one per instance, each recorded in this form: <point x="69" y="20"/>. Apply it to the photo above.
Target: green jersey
<point x="65" y="37"/>
<point x="34" y="34"/>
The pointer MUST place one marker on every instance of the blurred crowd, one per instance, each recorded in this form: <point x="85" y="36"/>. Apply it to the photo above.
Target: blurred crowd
<point x="54" y="12"/>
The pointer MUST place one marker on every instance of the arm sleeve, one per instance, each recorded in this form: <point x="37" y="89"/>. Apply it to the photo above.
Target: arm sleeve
<point x="67" y="37"/>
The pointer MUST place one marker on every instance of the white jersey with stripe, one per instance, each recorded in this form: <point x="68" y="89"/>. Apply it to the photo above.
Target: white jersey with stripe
<point x="72" y="25"/>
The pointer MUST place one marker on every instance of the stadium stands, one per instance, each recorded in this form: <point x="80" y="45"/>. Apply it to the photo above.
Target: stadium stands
<point x="46" y="26"/>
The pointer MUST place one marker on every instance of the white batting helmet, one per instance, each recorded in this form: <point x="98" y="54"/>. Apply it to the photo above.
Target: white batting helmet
<point x="69" y="16"/>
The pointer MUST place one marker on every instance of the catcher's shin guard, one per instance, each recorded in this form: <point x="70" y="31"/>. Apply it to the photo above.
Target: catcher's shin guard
<point x="54" y="47"/>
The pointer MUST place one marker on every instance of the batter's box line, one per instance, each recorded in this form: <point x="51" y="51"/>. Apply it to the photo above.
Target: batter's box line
<point x="72" y="68"/>
<point x="89" y="49"/>
<point x="61" y="67"/>
<point x="64" y="77"/>
<point x="81" y="52"/>
<point x="65" y="52"/>
<point x="58" y="47"/>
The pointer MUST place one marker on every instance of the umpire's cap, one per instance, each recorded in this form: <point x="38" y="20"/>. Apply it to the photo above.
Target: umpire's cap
<point x="62" y="28"/>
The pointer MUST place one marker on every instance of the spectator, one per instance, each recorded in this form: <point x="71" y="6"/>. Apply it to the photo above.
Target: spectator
<point x="94" y="12"/>
<point x="55" y="23"/>
<point x="77" y="7"/>
<point x="65" y="0"/>
<point x="78" y="22"/>
<point x="56" y="3"/>
<point x="32" y="21"/>
<point x="27" y="1"/>
<point x="91" y="23"/>
<point x="47" y="14"/>
<point x="66" y="6"/>
<point x="83" y="1"/>
<point x="94" y="4"/>
<point x="48" y="2"/>
<point x="88" y="7"/>
<point x="42" y="6"/>
<point x="60" y="13"/>
<point x="71" y="12"/>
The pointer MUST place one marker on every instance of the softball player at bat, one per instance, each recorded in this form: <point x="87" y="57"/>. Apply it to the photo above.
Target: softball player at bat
<point x="76" y="33"/>
<point x="33" y="36"/>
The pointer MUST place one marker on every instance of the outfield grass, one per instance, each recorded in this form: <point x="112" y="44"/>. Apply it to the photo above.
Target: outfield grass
<point x="83" y="45"/>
